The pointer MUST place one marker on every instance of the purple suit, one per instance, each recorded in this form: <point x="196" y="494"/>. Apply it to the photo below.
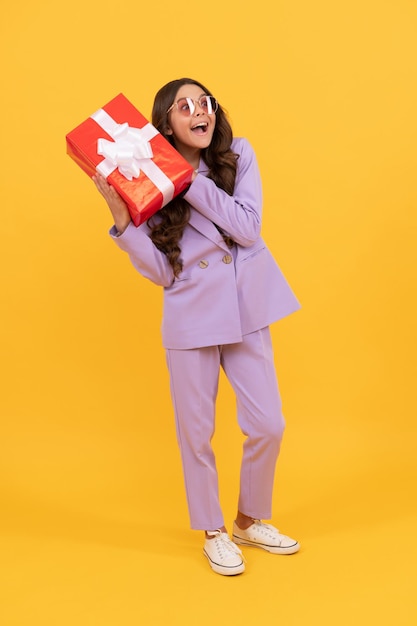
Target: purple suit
<point x="216" y="302"/>
<point x="222" y="303"/>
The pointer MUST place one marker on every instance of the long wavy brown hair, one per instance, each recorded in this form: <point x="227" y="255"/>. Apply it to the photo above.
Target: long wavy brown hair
<point x="168" y="226"/>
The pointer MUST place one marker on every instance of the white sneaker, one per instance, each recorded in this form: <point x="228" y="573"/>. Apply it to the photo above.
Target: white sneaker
<point x="266" y="537"/>
<point x="223" y="555"/>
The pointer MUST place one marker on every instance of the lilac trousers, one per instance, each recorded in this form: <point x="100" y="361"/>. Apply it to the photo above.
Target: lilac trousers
<point x="194" y="376"/>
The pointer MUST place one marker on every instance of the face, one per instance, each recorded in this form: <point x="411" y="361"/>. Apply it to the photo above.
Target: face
<point x="192" y="133"/>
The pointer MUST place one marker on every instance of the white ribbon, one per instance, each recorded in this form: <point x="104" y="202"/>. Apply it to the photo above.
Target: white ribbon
<point x="130" y="153"/>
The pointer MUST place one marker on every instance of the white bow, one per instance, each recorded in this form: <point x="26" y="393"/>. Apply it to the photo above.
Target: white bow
<point x="130" y="152"/>
<point x="127" y="150"/>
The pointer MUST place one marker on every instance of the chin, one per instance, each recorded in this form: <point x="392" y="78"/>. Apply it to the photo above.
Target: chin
<point x="204" y="142"/>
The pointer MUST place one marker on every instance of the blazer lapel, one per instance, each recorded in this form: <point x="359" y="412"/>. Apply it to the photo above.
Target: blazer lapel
<point x="201" y="223"/>
<point x="206" y="228"/>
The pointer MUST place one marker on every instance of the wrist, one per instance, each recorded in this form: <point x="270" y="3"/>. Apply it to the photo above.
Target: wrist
<point x="120" y="228"/>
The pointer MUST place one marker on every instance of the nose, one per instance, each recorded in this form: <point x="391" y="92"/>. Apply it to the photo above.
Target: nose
<point x="198" y="108"/>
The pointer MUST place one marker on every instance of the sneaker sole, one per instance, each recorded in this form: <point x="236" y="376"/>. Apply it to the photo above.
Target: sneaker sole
<point x="273" y="549"/>
<point x="225" y="571"/>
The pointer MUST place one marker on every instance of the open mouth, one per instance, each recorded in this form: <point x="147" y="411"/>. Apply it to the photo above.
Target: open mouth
<point x="200" y="128"/>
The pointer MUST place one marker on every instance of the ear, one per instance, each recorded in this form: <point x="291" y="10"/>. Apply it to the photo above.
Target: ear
<point x="168" y="130"/>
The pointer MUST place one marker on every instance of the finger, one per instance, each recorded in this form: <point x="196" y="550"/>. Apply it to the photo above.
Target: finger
<point x="101" y="184"/>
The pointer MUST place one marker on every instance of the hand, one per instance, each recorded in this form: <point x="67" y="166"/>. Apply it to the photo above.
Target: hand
<point x="117" y="205"/>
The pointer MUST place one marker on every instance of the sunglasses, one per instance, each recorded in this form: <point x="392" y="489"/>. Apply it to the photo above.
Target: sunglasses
<point x="187" y="106"/>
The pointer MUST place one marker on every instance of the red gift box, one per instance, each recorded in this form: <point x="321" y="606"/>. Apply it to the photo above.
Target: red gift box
<point x="120" y="143"/>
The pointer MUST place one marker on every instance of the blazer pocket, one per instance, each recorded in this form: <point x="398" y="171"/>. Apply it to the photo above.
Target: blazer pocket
<point x="254" y="253"/>
<point x="179" y="282"/>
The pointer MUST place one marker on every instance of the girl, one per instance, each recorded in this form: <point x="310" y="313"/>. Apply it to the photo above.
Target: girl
<point x="222" y="289"/>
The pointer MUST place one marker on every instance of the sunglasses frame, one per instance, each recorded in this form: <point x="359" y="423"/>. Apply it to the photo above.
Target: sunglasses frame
<point x="191" y="101"/>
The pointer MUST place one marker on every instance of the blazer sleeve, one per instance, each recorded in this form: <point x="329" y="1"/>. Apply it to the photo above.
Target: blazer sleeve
<point x="144" y="255"/>
<point x="238" y="215"/>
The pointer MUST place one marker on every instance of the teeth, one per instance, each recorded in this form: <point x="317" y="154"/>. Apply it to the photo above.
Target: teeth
<point x="202" y="125"/>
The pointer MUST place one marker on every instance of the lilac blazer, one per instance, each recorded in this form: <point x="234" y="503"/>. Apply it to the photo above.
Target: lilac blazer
<point x="216" y="299"/>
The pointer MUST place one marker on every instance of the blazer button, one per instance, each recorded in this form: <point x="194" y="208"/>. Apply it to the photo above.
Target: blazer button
<point x="227" y="259"/>
<point x="203" y="264"/>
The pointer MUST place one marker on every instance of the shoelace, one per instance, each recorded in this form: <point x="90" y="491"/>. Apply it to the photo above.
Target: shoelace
<point x="267" y="528"/>
<point x="223" y="543"/>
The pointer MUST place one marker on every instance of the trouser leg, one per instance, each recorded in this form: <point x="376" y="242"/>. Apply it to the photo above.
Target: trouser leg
<point x="194" y="376"/>
<point x="250" y="368"/>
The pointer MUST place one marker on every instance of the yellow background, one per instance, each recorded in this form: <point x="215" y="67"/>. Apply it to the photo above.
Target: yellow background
<point x="94" y="528"/>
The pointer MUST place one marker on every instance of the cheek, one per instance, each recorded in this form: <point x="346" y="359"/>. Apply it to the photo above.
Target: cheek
<point x="178" y="129"/>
